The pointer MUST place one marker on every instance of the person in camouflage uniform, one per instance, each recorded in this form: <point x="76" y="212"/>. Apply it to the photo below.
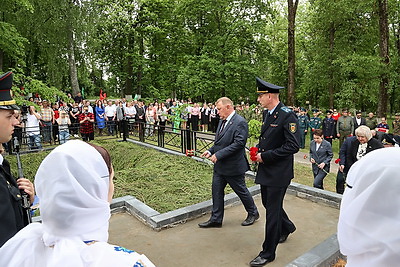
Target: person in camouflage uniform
<point x="396" y="124"/>
<point x="370" y="121"/>
<point x="344" y="126"/>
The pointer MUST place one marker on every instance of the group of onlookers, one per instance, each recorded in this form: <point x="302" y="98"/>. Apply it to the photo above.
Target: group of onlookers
<point x="357" y="136"/>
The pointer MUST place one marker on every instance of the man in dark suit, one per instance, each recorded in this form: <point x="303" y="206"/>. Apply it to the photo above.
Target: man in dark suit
<point x="230" y="164"/>
<point x="12" y="217"/>
<point x="358" y="120"/>
<point x="279" y="140"/>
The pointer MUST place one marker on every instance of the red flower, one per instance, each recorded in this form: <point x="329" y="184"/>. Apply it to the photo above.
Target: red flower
<point x="253" y="153"/>
<point x="337" y="161"/>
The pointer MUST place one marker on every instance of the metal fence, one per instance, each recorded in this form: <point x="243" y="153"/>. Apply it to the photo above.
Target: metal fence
<point x="34" y="139"/>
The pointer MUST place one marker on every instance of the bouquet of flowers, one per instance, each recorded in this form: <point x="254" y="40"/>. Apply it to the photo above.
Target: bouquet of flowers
<point x="253" y="158"/>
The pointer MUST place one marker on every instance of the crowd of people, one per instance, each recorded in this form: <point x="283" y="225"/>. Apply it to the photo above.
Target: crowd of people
<point x="88" y="188"/>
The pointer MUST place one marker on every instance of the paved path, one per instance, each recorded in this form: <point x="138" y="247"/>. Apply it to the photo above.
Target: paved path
<point x="186" y="245"/>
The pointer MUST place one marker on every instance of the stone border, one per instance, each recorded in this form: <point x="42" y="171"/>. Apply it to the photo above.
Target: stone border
<point x="324" y="254"/>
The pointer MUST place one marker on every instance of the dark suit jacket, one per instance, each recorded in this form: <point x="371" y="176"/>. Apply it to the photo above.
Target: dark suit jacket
<point x="323" y="154"/>
<point x="229" y="147"/>
<point x="11" y="213"/>
<point x="351" y="155"/>
<point x="279" y="140"/>
<point x="356" y="125"/>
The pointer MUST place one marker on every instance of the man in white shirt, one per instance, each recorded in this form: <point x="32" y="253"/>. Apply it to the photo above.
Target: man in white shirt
<point x="33" y="129"/>
<point x="110" y="112"/>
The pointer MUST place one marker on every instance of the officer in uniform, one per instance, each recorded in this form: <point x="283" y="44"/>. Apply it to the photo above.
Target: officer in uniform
<point x="328" y="127"/>
<point x="12" y="216"/>
<point x="279" y="141"/>
<point x="315" y="122"/>
<point x="303" y="126"/>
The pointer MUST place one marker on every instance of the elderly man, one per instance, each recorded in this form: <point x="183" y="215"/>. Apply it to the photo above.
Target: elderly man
<point x="12" y="216"/>
<point x="230" y="164"/>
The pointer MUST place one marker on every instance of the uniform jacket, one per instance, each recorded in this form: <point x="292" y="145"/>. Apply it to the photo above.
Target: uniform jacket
<point x="303" y="122"/>
<point x="351" y="155"/>
<point x="315" y="122"/>
<point x="328" y="127"/>
<point x="323" y="154"/>
<point x="345" y="124"/>
<point x="11" y="213"/>
<point x="279" y="140"/>
<point x="229" y="147"/>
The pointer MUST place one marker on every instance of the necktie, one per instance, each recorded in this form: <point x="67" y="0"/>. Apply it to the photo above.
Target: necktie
<point x="222" y="126"/>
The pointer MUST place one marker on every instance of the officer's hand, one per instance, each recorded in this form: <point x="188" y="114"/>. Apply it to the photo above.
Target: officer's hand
<point x="213" y="158"/>
<point x="341" y="168"/>
<point x="27" y="186"/>
<point x="312" y="160"/>
<point x="321" y="165"/>
<point x="259" y="158"/>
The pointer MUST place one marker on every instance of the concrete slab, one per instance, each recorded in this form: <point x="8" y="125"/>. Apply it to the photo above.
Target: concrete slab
<point x="232" y="245"/>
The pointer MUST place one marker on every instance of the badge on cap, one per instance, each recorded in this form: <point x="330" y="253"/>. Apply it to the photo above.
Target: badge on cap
<point x="292" y="127"/>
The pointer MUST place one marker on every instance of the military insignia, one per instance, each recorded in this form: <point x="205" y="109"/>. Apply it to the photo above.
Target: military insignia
<point x="292" y="127"/>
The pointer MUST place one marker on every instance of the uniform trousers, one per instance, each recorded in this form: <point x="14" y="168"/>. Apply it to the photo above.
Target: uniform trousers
<point x="277" y="222"/>
<point x="238" y="185"/>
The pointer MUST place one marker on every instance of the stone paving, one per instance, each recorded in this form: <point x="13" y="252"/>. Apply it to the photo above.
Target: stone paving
<point x="185" y="244"/>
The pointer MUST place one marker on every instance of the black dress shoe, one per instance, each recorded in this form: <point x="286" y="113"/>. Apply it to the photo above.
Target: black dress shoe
<point x="250" y="219"/>
<point x="210" y="224"/>
<point x="283" y="238"/>
<point x="259" y="261"/>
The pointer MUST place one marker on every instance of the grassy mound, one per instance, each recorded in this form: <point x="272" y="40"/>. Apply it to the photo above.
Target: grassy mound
<point x="162" y="181"/>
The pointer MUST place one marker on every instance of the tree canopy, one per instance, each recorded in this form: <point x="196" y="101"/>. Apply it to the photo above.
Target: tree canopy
<point x="205" y="49"/>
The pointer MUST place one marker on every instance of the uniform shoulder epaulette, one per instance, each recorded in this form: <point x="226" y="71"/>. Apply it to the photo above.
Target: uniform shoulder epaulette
<point x="286" y="109"/>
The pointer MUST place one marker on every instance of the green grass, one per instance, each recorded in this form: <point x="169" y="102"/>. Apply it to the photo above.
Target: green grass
<point x="163" y="181"/>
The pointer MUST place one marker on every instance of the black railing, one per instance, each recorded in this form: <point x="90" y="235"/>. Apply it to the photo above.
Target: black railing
<point x="33" y="139"/>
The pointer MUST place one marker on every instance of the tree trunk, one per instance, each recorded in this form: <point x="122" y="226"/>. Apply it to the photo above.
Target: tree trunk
<point x="140" y="67"/>
<point x="384" y="54"/>
<point x="72" y="63"/>
<point x="331" y="72"/>
<point x="292" y="8"/>
<point x="129" y="69"/>
<point x="1" y="60"/>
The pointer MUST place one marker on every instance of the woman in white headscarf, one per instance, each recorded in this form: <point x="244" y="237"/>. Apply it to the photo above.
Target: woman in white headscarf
<point x="74" y="185"/>
<point x="369" y="221"/>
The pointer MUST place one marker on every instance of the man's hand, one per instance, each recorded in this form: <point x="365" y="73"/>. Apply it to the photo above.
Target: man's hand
<point x="205" y="154"/>
<point x="341" y="168"/>
<point x="27" y="186"/>
<point x="213" y="158"/>
<point x="312" y="160"/>
<point x="259" y="159"/>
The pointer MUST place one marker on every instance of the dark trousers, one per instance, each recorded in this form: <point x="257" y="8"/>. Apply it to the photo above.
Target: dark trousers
<point x="340" y="180"/>
<point x="195" y="122"/>
<point x="277" y="222"/>
<point x="238" y="185"/>
<point x="302" y="137"/>
<point x="110" y="125"/>
<point x="87" y="136"/>
<point x="319" y="179"/>
<point x="343" y="136"/>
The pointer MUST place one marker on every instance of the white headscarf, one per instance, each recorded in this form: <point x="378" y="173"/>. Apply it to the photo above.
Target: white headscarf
<point x="72" y="184"/>
<point x="369" y="221"/>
